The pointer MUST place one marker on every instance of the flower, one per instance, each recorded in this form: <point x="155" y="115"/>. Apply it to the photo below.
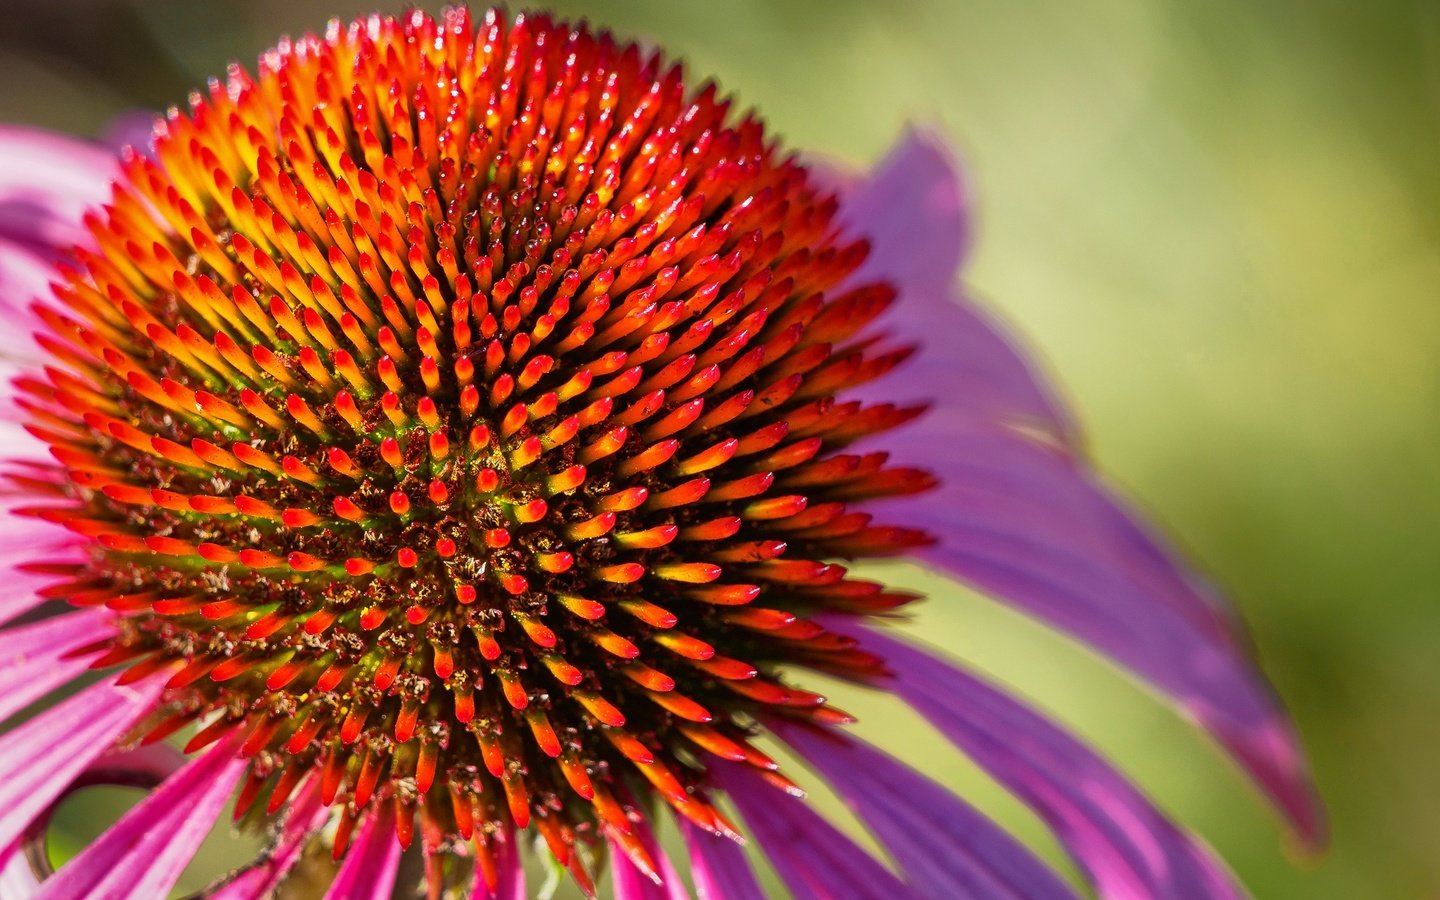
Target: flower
<point x="456" y="429"/>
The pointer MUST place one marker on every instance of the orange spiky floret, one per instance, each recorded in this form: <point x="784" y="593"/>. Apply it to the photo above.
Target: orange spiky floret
<point x="452" y="407"/>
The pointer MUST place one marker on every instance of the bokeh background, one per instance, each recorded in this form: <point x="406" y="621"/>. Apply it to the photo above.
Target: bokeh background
<point x="1218" y="224"/>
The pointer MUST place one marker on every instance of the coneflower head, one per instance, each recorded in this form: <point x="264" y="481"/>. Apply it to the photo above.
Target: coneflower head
<point x="452" y="407"/>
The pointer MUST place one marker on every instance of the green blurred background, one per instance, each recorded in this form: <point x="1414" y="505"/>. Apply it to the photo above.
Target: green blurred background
<point x="1219" y="225"/>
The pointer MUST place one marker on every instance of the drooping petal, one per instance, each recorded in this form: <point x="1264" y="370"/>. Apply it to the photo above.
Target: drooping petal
<point x="912" y="208"/>
<point x="368" y="871"/>
<point x="816" y="861"/>
<point x="1020" y="518"/>
<point x="940" y="842"/>
<point x="305" y="816"/>
<point x="632" y="884"/>
<point x="1127" y="847"/>
<point x="144" y="853"/>
<point x="33" y="659"/>
<point x="40" y="759"/>
<point x="47" y="180"/>
<point x="718" y="866"/>
<point x="1019" y="521"/>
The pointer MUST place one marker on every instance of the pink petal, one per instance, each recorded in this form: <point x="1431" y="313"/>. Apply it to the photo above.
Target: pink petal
<point x="20" y="595"/>
<point x="304" y="817"/>
<point x="939" y="841"/>
<point x="813" y="858"/>
<point x="47" y="181"/>
<point x="373" y="858"/>
<point x="718" y="866"/>
<point x="144" y="853"/>
<point x="912" y="208"/>
<point x="17" y="879"/>
<point x="32" y="657"/>
<point x="39" y="759"/>
<point x="25" y="276"/>
<point x="632" y="884"/>
<point x="1126" y="846"/>
<point x="22" y="537"/>
<point x="509" y="872"/>
<point x="1023" y="523"/>
<point x="24" y="541"/>
<point x="142" y="767"/>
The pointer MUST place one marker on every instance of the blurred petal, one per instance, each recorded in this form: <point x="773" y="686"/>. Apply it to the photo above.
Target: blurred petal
<point x="17" y="877"/>
<point x="25" y="277"/>
<point x="632" y="884"/>
<point x="718" y="866"/>
<point x="134" y="128"/>
<point x="45" y="543"/>
<point x="815" y="860"/>
<point x="1128" y="848"/>
<point x="21" y="589"/>
<point x="144" y="853"/>
<point x="373" y="858"/>
<point x="509" y="871"/>
<point x="912" y="208"/>
<point x="39" y="759"/>
<point x="940" y="842"/>
<point x="305" y="815"/>
<point x="47" y="181"/>
<point x="32" y="657"/>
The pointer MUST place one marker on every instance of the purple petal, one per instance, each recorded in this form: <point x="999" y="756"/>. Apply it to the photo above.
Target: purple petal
<point x="368" y="872"/>
<point x="718" y="866"/>
<point x="39" y="759"/>
<point x="1127" y="847"/>
<point x="938" y="840"/>
<point x="47" y="181"/>
<point x="144" y="853"/>
<point x="912" y="208"/>
<point x="509" y="871"/>
<point x="32" y="662"/>
<point x="815" y="860"/>
<point x="305" y="816"/>
<point x="632" y="884"/>
<point x="1023" y="523"/>
<point x="1018" y="518"/>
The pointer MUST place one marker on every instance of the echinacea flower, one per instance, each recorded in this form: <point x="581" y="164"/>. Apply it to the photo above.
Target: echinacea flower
<point x="454" y="431"/>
